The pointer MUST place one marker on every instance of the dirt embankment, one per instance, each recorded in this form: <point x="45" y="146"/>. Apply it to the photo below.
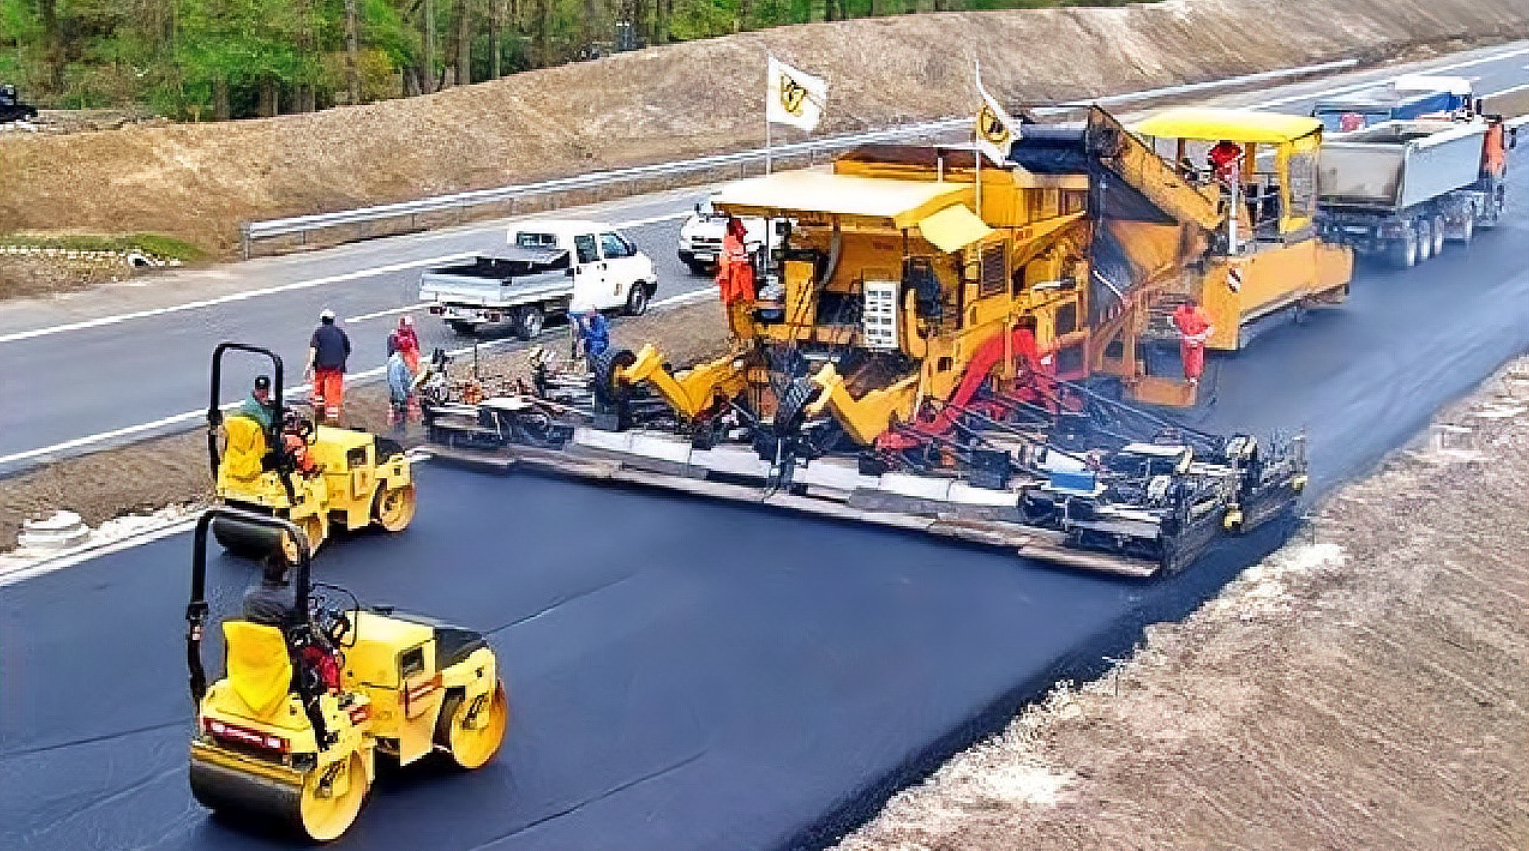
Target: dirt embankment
<point x="197" y="182"/>
<point x="1367" y="688"/>
<point x="173" y="470"/>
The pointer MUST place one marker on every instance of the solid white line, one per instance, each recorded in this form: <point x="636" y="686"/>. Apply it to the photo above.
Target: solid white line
<point x="232" y="297"/>
<point x="1507" y="91"/>
<point x="63" y="560"/>
<point x="389" y="312"/>
<point x="685" y="298"/>
<point x="1281" y="101"/>
<point x="352" y="378"/>
<point x="297" y="285"/>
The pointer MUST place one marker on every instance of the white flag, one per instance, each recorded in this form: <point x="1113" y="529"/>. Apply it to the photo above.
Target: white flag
<point x="793" y="97"/>
<point x="996" y="130"/>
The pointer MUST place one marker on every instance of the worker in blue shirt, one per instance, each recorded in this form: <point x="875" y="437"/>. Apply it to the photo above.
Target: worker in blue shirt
<point x="594" y="331"/>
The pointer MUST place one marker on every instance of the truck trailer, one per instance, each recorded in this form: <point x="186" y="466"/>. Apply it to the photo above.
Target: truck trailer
<point x="1400" y="189"/>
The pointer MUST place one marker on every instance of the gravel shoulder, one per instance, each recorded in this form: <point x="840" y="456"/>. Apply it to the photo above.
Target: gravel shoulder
<point x="1363" y="688"/>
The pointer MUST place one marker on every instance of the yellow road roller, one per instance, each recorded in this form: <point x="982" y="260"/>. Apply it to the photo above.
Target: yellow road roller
<point x="268" y="458"/>
<point x="316" y="685"/>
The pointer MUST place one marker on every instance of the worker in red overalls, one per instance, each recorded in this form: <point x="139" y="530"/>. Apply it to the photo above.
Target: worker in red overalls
<point x="1194" y="327"/>
<point x="735" y="274"/>
<point x="735" y="277"/>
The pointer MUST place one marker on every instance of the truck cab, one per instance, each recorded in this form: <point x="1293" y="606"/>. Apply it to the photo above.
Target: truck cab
<point x="1407" y="98"/>
<point x="608" y="271"/>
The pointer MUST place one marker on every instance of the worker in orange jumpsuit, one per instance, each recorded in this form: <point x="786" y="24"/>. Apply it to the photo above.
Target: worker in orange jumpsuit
<point x="735" y="274"/>
<point x="1223" y="159"/>
<point x="1194" y="327"/>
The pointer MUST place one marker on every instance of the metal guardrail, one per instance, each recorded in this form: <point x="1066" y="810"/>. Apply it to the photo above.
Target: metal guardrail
<point x="253" y="231"/>
<point x="301" y="226"/>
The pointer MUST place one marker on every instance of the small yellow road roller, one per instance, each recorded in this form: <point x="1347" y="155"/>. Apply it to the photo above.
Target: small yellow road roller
<point x="315" y="688"/>
<point x="270" y="459"/>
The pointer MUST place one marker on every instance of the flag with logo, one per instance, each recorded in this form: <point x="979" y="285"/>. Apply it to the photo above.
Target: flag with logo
<point x="996" y="129"/>
<point x="794" y="97"/>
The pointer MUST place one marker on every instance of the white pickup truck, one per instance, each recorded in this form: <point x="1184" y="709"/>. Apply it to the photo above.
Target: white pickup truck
<point x="701" y="237"/>
<point x="551" y="267"/>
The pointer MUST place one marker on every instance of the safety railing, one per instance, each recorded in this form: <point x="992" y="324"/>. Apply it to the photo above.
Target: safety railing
<point x="507" y="196"/>
<point x="407" y="216"/>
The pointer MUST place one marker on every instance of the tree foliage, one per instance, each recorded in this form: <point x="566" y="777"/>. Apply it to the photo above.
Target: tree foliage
<point x="206" y="59"/>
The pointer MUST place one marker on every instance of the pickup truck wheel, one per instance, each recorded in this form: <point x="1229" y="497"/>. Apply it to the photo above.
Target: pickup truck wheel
<point x="466" y="329"/>
<point x="529" y="322"/>
<point x="637" y="299"/>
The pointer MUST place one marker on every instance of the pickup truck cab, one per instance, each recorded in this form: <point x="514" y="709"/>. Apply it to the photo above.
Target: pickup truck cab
<point x="552" y="266"/>
<point x="701" y="237"/>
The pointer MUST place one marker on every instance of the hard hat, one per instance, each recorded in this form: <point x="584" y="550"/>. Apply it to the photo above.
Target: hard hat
<point x="407" y="320"/>
<point x="326" y="313"/>
<point x="262" y="382"/>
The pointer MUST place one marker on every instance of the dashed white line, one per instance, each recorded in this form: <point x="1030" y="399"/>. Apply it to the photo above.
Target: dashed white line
<point x="389" y="312"/>
<point x="295" y="392"/>
<point x="1507" y="91"/>
<point x="231" y="297"/>
<point x="1281" y="101"/>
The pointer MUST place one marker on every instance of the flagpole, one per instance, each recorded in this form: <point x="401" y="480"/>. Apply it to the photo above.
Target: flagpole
<point x="976" y="148"/>
<point x="768" y="163"/>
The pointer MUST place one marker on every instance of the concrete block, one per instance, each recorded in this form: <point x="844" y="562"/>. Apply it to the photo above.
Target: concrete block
<point x="62" y="530"/>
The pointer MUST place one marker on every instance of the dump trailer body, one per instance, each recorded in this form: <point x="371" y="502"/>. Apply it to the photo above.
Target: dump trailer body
<point x="1401" y="188"/>
<point x="1400" y="164"/>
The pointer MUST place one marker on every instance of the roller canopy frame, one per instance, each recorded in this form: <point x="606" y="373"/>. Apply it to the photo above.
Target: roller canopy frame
<point x="273" y="440"/>
<point x="197" y="608"/>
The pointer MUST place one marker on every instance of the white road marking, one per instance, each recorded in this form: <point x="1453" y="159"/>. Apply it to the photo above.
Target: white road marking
<point x="295" y="392"/>
<point x="231" y="297"/>
<point x="1507" y="91"/>
<point x="389" y="312"/>
<point x="282" y="288"/>
<point x="685" y="298"/>
<point x="1281" y="101"/>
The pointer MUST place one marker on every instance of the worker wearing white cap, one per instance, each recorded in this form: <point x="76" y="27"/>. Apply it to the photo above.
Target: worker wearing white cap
<point x="328" y="350"/>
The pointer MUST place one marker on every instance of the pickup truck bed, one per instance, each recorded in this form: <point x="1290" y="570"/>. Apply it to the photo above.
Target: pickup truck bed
<point x="494" y="289"/>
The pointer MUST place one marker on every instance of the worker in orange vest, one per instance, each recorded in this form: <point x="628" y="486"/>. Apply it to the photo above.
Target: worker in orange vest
<point x="735" y="274"/>
<point x="1194" y="327"/>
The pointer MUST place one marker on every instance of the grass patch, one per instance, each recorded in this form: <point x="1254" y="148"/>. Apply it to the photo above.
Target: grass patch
<point x="157" y="245"/>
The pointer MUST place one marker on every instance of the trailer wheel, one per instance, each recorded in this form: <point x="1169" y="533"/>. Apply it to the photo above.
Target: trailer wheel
<point x="1468" y="228"/>
<point x="529" y="321"/>
<point x="1403" y="253"/>
<point x="1424" y="240"/>
<point x="1438" y="235"/>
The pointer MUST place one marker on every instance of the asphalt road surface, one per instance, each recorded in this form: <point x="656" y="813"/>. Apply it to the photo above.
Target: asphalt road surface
<point x="692" y="675"/>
